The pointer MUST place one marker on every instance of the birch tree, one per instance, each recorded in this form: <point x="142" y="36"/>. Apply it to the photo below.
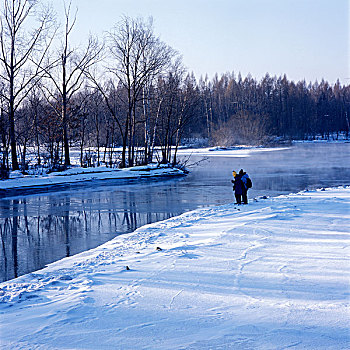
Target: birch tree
<point x="137" y="57"/>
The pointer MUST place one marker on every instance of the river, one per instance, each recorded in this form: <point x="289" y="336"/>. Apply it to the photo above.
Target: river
<point x="37" y="229"/>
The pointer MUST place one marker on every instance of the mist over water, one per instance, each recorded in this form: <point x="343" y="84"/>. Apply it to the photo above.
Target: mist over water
<point x="41" y="228"/>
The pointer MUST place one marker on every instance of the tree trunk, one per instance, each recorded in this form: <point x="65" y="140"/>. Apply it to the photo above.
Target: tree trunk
<point x="37" y="142"/>
<point x="146" y="128"/>
<point x="66" y="146"/>
<point x="98" y="144"/>
<point x="24" y="155"/>
<point x="64" y="120"/>
<point x="15" y="165"/>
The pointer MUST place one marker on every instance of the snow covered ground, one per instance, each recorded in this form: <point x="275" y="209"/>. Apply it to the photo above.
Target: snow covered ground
<point x="271" y="275"/>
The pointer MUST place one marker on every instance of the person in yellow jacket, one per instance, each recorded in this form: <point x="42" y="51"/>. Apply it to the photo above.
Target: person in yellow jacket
<point x="237" y="187"/>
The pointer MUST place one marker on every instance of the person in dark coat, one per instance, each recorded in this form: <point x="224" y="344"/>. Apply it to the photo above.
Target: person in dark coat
<point x="244" y="176"/>
<point x="247" y="183"/>
<point x="237" y="187"/>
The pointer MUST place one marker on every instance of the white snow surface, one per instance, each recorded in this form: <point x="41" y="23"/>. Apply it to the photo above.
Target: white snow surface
<point x="273" y="274"/>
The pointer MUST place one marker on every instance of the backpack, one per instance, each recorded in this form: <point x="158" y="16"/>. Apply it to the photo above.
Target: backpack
<point x="249" y="183"/>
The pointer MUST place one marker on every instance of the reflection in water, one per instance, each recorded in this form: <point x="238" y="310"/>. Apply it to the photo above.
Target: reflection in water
<point x="43" y="229"/>
<point x="15" y="237"/>
<point x="38" y="229"/>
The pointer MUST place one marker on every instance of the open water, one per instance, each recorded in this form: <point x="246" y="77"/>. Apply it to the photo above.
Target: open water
<point x="36" y="229"/>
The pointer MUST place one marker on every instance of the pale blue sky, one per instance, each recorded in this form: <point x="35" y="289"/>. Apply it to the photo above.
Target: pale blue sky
<point x="302" y="38"/>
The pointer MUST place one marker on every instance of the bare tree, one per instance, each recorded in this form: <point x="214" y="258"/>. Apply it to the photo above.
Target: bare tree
<point x="242" y="128"/>
<point x="187" y="110"/>
<point x="206" y="92"/>
<point x="137" y="57"/>
<point x="97" y="111"/>
<point x="35" y="109"/>
<point x="67" y="74"/>
<point x="4" y="136"/>
<point x="174" y="89"/>
<point x="21" y="44"/>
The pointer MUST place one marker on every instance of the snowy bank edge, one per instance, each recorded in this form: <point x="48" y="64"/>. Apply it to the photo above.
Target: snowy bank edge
<point x="121" y="246"/>
<point x="73" y="176"/>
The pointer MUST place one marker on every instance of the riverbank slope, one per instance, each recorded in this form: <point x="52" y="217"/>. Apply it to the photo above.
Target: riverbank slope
<point x="270" y="275"/>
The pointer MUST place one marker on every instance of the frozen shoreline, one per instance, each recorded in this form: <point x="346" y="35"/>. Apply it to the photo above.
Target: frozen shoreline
<point x="80" y="175"/>
<point x="270" y="275"/>
<point x="77" y="174"/>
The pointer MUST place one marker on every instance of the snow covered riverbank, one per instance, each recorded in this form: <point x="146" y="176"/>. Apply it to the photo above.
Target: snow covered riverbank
<point x="78" y="174"/>
<point x="270" y="275"/>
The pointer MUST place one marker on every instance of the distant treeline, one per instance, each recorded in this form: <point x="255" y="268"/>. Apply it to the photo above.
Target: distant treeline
<point x="131" y="91"/>
<point x="235" y="109"/>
